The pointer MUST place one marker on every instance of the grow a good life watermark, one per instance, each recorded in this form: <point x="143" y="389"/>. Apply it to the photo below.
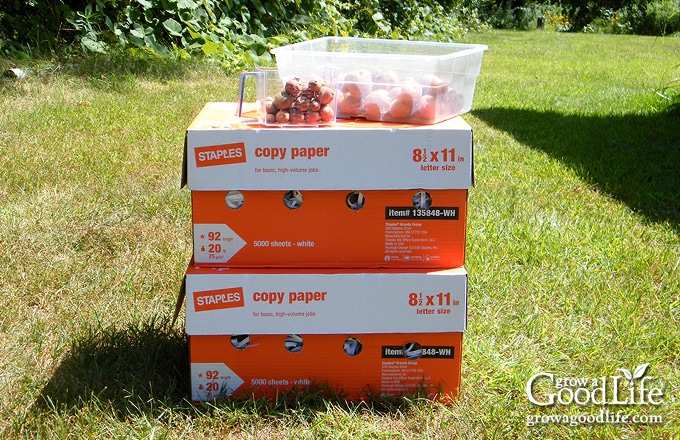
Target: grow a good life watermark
<point x="612" y="394"/>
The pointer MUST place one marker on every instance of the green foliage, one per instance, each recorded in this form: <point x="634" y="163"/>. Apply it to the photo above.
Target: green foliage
<point x="237" y="33"/>
<point x="669" y="93"/>
<point x="28" y="26"/>
<point x="642" y="17"/>
<point x="658" y="17"/>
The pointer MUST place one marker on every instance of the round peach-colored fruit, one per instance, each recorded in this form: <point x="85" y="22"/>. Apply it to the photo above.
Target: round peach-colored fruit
<point x="376" y="104"/>
<point x="432" y="84"/>
<point x="410" y="85"/>
<point x="385" y="79"/>
<point x="453" y="102"/>
<point x="402" y="106"/>
<point x="348" y="105"/>
<point x="427" y="108"/>
<point x="359" y="83"/>
<point x="326" y="113"/>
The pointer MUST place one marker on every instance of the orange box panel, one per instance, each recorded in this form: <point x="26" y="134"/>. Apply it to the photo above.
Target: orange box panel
<point x="357" y="368"/>
<point x="393" y="229"/>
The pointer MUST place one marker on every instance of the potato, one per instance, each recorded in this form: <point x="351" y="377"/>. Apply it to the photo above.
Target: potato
<point x="326" y="95"/>
<point x="359" y="83"/>
<point x="427" y="108"/>
<point x="282" y="117"/>
<point x="326" y="113"/>
<point x="296" y="116"/>
<point x="348" y="105"/>
<point x="376" y="104"/>
<point x="312" y="117"/>
<point x="402" y="106"/>
<point x="432" y="84"/>
<point x="385" y="79"/>
<point x="293" y="86"/>
<point x="283" y="100"/>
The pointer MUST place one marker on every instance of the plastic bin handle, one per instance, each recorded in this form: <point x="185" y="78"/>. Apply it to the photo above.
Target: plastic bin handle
<point x="242" y="88"/>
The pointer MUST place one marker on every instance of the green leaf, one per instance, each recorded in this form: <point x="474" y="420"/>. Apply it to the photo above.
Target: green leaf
<point x="93" y="45"/>
<point x="173" y="27"/>
<point x="210" y="48"/>
<point x="146" y="4"/>
<point x="137" y="31"/>
<point x="186" y="4"/>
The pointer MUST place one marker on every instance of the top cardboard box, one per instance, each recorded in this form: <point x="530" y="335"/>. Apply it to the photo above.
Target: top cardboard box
<point x="225" y="152"/>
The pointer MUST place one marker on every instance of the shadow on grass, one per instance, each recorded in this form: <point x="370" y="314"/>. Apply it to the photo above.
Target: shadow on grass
<point x="633" y="158"/>
<point x="143" y="369"/>
<point x="139" y="366"/>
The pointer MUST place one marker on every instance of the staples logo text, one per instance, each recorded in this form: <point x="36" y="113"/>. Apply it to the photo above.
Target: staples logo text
<point x="220" y="154"/>
<point x="218" y="299"/>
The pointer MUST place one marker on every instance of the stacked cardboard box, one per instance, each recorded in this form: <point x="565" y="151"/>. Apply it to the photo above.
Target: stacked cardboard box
<point x="330" y="256"/>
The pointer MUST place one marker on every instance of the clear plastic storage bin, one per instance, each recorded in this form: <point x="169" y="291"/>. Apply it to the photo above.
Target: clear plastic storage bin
<point x="390" y="80"/>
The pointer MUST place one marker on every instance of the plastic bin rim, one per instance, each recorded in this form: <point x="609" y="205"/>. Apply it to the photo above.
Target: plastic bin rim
<point x="470" y="48"/>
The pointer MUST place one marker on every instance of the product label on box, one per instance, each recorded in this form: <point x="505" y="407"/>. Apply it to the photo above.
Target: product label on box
<point x="212" y="380"/>
<point x="216" y="243"/>
<point x="401" y="377"/>
<point x="417" y="352"/>
<point x="330" y="228"/>
<point x="218" y="299"/>
<point x="224" y="154"/>
<point x="326" y="303"/>
<point x="356" y="365"/>
<point x="413" y="240"/>
<point x="410" y="213"/>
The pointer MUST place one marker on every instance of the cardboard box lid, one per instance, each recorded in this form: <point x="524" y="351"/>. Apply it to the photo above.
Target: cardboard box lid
<point x="282" y="301"/>
<point x="224" y="153"/>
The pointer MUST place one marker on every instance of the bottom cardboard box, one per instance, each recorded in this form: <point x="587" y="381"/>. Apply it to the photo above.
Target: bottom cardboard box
<point x="354" y="367"/>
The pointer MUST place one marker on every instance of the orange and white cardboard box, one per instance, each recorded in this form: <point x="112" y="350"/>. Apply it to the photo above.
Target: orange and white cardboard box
<point x="224" y="153"/>
<point x="327" y="230"/>
<point x="241" y="173"/>
<point x="223" y="301"/>
<point x="355" y="366"/>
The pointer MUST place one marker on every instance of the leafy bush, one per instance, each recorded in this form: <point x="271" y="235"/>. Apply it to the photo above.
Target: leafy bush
<point x="28" y="26"/>
<point x="658" y="17"/>
<point x="237" y="33"/>
<point x="525" y="15"/>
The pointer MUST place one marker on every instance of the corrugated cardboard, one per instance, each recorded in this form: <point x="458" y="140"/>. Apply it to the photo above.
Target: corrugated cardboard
<point x="224" y="153"/>
<point x="424" y="364"/>
<point x="271" y="301"/>
<point x="324" y="231"/>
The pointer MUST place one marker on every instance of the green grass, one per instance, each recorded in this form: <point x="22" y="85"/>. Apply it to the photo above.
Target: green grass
<point x="573" y="248"/>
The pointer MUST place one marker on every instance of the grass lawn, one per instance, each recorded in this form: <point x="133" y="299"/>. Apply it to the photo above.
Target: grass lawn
<point x="573" y="251"/>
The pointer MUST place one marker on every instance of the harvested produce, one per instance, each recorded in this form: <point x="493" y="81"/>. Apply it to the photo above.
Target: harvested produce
<point x="377" y="103"/>
<point x="382" y="96"/>
<point x="301" y="102"/>
<point x="358" y="83"/>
